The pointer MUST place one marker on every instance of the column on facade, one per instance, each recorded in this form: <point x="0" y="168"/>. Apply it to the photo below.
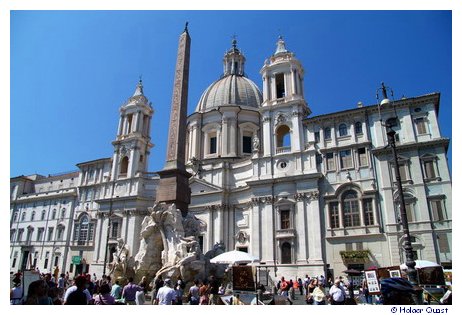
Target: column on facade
<point x="265" y="88"/>
<point x="340" y="214"/>
<point x="361" y="212"/>
<point x="136" y="122"/>
<point x="194" y="143"/>
<point x="119" y="129"/>
<point x="294" y="83"/>
<point x="296" y="136"/>
<point x="268" y="233"/>
<point x="266" y="135"/>
<point x="132" y="162"/>
<point x="100" y="238"/>
<point x="219" y="223"/>
<point x="225" y="127"/>
<point x="314" y="231"/>
<point x="273" y="86"/>
<point x="301" y="226"/>
<point x="232" y="136"/>
<point x="255" y="234"/>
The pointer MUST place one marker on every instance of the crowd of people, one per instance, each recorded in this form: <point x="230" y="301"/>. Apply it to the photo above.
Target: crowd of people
<point x="86" y="289"/>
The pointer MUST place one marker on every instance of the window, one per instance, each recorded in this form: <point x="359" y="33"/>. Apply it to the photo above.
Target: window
<point x="358" y="128"/>
<point x="50" y="234"/>
<point x="213" y="145"/>
<point x="47" y="256"/>
<point x="15" y="258"/>
<point x="40" y="233"/>
<point x="327" y="134"/>
<point x="345" y="159"/>
<point x="29" y="234"/>
<point x="409" y="205"/>
<point x="124" y="166"/>
<point x="334" y="215"/>
<point x="443" y="243"/>
<point x="402" y="171"/>
<point x="32" y="216"/>
<point x="330" y="162"/>
<point x="429" y="169"/>
<point x="56" y="260"/>
<point x="83" y="230"/>
<point x="20" y="233"/>
<point x="368" y="211"/>
<point x="63" y="213"/>
<point x="280" y="85"/>
<point x="15" y="217"/>
<point x="318" y="159"/>
<point x="115" y="229"/>
<point x="60" y="233"/>
<point x="438" y="212"/>
<point x="12" y="235"/>
<point x="283" y="136"/>
<point x="350" y="207"/>
<point x="342" y="130"/>
<point x="246" y="144"/>
<point x="286" y="253"/>
<point x="316" y="137"/>
<point x="34" y="263"/>
<point x="362" y="157"/>
<point x="421" y="126"/>
<point x="42" y="217"/>
<point x="53" y="214"/>
<point x="23" y="216"/>
<point x="129" y="123"/>
<point x="285" y="219"/>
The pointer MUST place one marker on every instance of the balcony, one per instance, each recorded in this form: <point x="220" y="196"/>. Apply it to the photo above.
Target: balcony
<point x="280" y="150"/>
<point x="285" y="233"/>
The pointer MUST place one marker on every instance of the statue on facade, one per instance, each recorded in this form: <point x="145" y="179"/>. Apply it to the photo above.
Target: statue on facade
<point x="255" y="143"/>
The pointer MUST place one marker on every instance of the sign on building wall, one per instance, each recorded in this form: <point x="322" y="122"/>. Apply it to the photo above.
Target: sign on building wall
<point x="76" y="260"/>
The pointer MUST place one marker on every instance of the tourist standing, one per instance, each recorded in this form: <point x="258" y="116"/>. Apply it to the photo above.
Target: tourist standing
<point x="194" y="293"/>
<point x="104" y="297"/>
<point x="204" y="294"/>
<point x="77" y="296"/>
<point x="37" y="294"/>
<point x="16" y="293"/>
<point x="166" y="295"/>
<point x="319" y="295"/>
<point x="337" y="293"/>
<point x="214" y="286"/>
<point x="116" y="290"/>
<point x="129" y="292"/>
<point x="74" y="288"/>
<point x="300" y="285"/>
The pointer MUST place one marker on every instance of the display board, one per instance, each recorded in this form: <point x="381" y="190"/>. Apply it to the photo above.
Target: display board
<point x="243" y="278"/>
<point x="28" y="277"/>
<point x="372" y="281"/>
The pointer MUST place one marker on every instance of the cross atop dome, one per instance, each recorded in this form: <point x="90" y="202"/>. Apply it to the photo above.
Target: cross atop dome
<point x="139" y="88"/>
<point x="281" y="46"/>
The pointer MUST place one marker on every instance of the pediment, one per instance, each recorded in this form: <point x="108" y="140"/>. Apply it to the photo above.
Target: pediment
<point x="200" y="186"/>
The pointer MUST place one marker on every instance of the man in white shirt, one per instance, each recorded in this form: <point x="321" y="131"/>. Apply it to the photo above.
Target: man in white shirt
<point x="337" y="293"/>
<point x="166" y="294"/>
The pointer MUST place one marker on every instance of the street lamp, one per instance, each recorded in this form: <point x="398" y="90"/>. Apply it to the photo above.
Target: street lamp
<point x="410" y="263"/>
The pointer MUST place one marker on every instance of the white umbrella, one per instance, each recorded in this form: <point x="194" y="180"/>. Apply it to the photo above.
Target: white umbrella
<point x="234" y="257"/>
<point x="421" y="264"/>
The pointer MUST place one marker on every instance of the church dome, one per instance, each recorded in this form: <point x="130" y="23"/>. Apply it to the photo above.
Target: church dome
<point x="232" y="89"/>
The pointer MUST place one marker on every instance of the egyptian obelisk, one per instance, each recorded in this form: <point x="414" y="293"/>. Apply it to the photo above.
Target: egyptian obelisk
<point x="174" y="185"/>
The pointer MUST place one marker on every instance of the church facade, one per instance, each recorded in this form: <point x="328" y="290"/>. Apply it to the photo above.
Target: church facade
<point x="305" y="194"/>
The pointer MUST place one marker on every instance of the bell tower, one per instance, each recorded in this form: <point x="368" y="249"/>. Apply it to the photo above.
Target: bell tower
<point x="284" y="106"/>
<point x="133" y="143"/>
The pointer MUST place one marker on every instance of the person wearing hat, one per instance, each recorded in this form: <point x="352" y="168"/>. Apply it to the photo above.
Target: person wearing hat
<point x="166" y="295"/>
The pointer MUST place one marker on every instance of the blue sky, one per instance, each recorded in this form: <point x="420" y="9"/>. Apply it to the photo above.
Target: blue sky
<point x="70" y="71"/>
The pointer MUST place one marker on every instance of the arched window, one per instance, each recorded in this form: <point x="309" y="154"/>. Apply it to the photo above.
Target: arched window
<point x="15" y="217"/>
<point x="43" y="215"/>
<point x="283" y="136"/>
<point x="342" y="130"/>
<point x="83" y="229"/>
<point x="63" y="213"/>
<point x="124" y="166"/>
<point x="60" y="233"/>
<point x="286" y="253"/>
<point x="23" y="216"/>
<point x="350" y="205"/>
<point x="358" y="127"/>
<point x="327" y="135"/>
<point x="409" y="205"/>
<point x="53" y="214"/>
<point x="32" y="216"/>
